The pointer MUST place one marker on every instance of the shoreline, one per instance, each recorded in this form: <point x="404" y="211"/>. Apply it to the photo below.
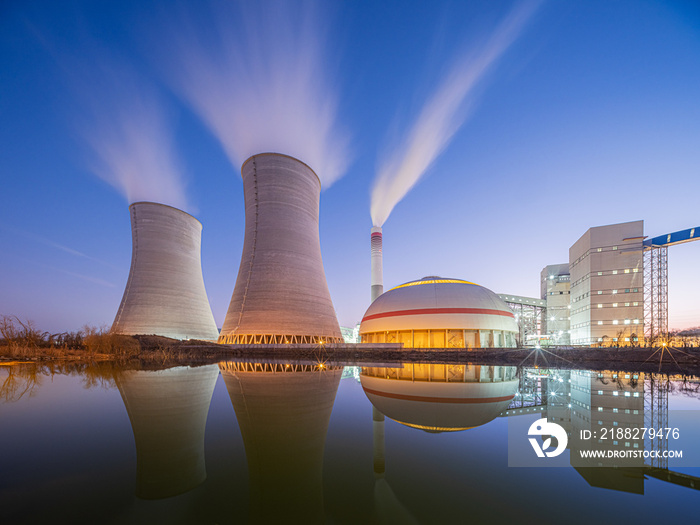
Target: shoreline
<point x="155" y="351"/>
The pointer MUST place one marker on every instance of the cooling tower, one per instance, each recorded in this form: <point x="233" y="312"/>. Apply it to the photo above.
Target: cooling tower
<point x="281" y="295"/>
<point x="165" y="292"/>
<point x="168" y="412"/>
<point x="377" y="278"/>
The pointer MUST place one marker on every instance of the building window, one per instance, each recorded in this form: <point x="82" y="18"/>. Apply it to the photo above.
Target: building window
<point x="600" y="292"/>
<point x="627" y="304"/>
<point x="615" y="321"/>
<point x="600" y="392"/>
<point x="614" y="291"/>
<point x="616" y="393"/>
<point x="636" y="321"/>
<point x="635" y="303"/>
<point x="627" y="394"/>
<point x="635" y="270"/>
<point x="627" y="321"/>
<point x="600" y="273"/>
<point x="600" y="322"/>
<point x="614" y="247"/>
<point x="614" y="305"/>
<point x="600" y="409"/>
<point x="627" y="270"/>
<point x="614" y="272"/>
<point x="600" y="305"/>
<point x="600" y="249"/>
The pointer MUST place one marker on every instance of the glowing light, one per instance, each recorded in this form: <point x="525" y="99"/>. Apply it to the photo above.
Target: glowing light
<point x="433" y="281"/>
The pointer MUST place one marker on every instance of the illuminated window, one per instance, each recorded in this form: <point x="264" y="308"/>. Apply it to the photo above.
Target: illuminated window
<point x="616" y="321"/>
<point x="614" y="305"/>
<point x="627" y="394"/>
<point x="627" y="304"/>
<point x="636" y="321"/>
<point x="600" y="322"/>
<point x="635" y="270"/>
<point x="600" y="305"/>
<point x="600" y="409"/>
<point x="614" y="247"/>
<point x="614" y="291"/>
<point x="615" y="410"/>
<point x="616" y="393"/>
<point x="600" y="392"/>
<point x="636" y="394"/>
<point x="627" y="270"/>
<point x="600" y="292"/>
<point x="600" y="249"/>
<point x="635" y="303"/>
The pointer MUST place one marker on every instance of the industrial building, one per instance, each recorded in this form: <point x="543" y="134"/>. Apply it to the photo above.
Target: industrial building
<point x="435" y="312"/>
<point x="607" y="285"/>
<point x="165" y="292"/>
<point x="281" y="294"/>
<point x="555" y="290"/>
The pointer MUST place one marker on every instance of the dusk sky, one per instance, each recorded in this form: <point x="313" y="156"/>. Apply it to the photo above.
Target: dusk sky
<point x="487" y="137"/>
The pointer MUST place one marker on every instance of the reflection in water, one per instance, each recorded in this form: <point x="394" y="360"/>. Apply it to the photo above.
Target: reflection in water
<point x="168" y="412"/>
<point x="283" y="413"/>
<point x="440" y="398"/>
<point x="434" y="398"/>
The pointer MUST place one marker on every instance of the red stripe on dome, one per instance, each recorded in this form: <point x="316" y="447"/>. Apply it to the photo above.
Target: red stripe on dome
<point x="429" y="399"/>
<point x="376" y="234"/>
<point x="423" y="311"/>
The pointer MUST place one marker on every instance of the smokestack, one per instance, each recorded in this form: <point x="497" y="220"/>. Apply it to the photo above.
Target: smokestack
<point x="165" y="292"/>
<point x="281" y="295"/>
<point x="377" y="279"/>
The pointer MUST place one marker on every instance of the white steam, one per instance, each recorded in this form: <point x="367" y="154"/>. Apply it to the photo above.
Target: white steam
<point x="441" y="116"/>
<point x="129" y="137"/>
<point x="257" y="76"/>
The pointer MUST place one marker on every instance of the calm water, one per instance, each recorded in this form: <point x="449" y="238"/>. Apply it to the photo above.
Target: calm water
<point x="271" y="443"/>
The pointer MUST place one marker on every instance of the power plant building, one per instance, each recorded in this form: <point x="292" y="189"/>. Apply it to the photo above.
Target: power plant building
<point x="281" y="294"/>
<point x="435" y="312"/>
<point x="555" y="289"/>
<point x="165" y="292"/>
<point x="607" y="285"/>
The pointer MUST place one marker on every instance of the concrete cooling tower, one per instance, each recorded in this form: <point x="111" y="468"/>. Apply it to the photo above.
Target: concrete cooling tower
<point x="165" y="292"/>
<point x="281" y="295"/>
<point x="168" y="411"/>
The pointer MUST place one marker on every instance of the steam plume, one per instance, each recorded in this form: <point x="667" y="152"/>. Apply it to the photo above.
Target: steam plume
<point x="441" y="116"/>
<point x="256" y="74"/>
<point x="126" y="129"/>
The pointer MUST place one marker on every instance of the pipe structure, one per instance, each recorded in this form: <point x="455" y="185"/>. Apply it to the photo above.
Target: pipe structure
<point x="165" y="292"/>
<point x="377" y="277"/>
<point x="281" y="295"/>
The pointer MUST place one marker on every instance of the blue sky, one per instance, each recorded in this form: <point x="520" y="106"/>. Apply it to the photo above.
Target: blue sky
<point x="589" y="115"/>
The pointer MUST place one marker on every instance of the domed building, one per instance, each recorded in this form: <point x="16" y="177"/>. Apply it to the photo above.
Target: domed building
<point x="435" y="312"/>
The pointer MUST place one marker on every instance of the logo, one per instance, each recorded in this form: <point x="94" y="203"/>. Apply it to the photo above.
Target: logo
<point x="542" y="428"/>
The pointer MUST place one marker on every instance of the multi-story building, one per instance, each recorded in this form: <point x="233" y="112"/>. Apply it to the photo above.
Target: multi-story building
<point x="555" y="290"/>
<point x="607" y="285"/>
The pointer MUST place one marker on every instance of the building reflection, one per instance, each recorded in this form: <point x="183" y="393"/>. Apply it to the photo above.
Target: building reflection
<point x="283" y="412"/>
<point x="168" y="413"/>
<point x="604" y="403"/>
<point x="433" y="398"/>
<point x="440" y="398"/>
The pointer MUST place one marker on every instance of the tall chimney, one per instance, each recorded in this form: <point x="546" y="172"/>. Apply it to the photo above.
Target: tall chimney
<point x="377" y="279"/>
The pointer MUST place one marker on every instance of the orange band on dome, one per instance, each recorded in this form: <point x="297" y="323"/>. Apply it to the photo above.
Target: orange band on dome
<point x="430" y="399"/>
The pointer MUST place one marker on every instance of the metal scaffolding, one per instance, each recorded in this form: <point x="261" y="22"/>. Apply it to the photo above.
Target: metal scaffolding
<point x="656" y="295"/>
<point x="656" y="388"/>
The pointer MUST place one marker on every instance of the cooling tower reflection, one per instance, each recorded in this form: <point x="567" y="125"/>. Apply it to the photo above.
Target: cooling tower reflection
<point x="283" y="412"/>
<point x="168" y="412"/>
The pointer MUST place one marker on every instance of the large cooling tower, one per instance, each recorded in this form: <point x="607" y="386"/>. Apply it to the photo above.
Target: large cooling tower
<point x="165" y="292"/>
<point x="281" y="295"/>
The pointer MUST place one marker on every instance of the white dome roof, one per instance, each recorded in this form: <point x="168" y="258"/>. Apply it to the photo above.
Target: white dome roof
<point x="438" y="303"/>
